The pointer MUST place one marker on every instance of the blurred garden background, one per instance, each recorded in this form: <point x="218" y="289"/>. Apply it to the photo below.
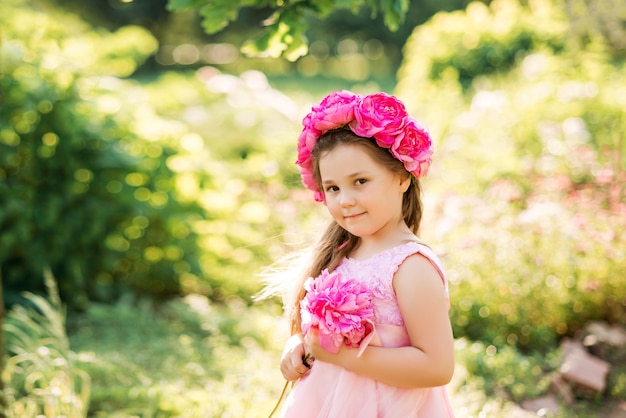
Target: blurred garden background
<point x="147" y="179"/>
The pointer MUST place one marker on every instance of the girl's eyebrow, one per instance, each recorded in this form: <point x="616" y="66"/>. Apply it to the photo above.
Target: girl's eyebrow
<point x="351" y="176"/>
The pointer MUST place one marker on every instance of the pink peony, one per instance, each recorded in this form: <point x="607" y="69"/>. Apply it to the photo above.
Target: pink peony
<point x="307" y="176"/>
<point x="334" y="111"/>
<point x="413" y="147"/>
<point x="379" y="113"/>
<point x="306" y="142"/>
<point x="341" y="310"/>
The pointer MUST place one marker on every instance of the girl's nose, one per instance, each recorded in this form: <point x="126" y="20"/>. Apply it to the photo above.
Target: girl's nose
<point x="347" y="199"/>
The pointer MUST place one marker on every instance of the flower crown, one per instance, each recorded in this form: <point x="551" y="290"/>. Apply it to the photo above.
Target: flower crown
<point x="379" y="116"/>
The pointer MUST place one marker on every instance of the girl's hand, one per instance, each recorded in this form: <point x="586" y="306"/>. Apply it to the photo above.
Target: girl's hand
<point x="312" y="343"/>
<point x="345" y="357"/>
<point x="313" y="347"/>
<point x="291" y="365"/>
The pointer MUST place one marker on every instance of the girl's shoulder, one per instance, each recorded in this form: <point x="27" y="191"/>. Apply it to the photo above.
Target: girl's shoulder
<point x="409" y="248"/>
<point x="421" y="249"/>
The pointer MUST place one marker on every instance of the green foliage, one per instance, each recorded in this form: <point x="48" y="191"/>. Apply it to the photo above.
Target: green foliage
<point x="40" y="375"/>
<point x="284" y="33"/>
<point x="191" y="357"/>
<point x="531" y="235"/>
<point x="283" y="37"/>
<point x="216" y="14"/>
<point x="617" y="381"/>
<point x="506" y="372"/>
<point x="104" y="182"/>
<point x="462" y="45"/>
<point x="186" y="358"/>
<point x="83" y="189"/>
<point x="393" y="11"/>
<point x="236" y="163"/>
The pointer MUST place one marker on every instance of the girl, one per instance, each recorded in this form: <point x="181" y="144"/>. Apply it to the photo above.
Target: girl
<point x="362" y="157"/>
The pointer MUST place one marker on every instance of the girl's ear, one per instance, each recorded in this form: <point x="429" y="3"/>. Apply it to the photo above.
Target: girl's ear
<point x="405" y="182"/>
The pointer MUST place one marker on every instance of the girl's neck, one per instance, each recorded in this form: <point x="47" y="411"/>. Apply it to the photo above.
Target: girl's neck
<point x="370" y="246"/>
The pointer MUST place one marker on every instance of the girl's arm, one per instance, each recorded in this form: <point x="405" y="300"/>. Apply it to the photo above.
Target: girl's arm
<point x="429" y="360"/>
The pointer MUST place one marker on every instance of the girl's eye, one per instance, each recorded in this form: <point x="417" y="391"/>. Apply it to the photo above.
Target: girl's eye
<point x="361" y="181"/>
<point x="332" y="188"/>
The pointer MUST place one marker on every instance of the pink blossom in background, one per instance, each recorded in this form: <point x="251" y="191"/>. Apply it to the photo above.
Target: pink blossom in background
<point x="340" y="309"/>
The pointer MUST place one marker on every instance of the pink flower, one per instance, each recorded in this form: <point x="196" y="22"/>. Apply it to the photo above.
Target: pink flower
<point x="307" y="175"/>
<point x="306" y="142"/>
<point x="341" y="310"/>
<point x="413" y="147"/>
<point x="334" y="111"/>
<point x="379" y="113"/>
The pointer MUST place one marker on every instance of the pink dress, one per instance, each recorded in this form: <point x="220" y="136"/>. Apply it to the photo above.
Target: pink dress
<point x="330" y="391"/>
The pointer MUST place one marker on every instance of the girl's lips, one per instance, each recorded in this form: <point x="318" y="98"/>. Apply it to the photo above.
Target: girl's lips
<point x="353" y="216"/>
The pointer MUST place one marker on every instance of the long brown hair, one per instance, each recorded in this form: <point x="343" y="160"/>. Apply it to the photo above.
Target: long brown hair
<point x="337" y="243"/>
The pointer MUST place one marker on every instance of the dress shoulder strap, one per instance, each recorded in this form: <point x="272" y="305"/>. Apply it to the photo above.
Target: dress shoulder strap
<point x="415" y="247"/>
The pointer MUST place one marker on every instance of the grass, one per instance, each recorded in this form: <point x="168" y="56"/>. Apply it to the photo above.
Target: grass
<point x="40" y="374"/>
<point x="190" y="358"/>
<point x="183" y="358"/>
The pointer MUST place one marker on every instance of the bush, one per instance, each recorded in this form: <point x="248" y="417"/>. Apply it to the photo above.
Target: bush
<point x="505" y="372"/>
<point x="532" y="161"/>
<point x="106" y="183"/>
<point x="77" y="194"/>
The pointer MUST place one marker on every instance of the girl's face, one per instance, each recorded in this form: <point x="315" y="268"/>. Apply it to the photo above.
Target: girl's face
<point x="362" y="195"/>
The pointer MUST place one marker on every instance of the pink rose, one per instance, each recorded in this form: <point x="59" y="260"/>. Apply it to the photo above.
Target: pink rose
<point x="413" y="147"/>
<point x="334" y="111"/>
<point x="379" y="113"/>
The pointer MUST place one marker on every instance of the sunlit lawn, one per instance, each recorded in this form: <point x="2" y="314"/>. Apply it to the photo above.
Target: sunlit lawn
<point x="187" y="358"/>
<point x="184" y="358"/>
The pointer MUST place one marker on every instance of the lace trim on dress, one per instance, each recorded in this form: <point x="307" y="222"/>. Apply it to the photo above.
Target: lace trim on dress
<point x="377" y="273"/>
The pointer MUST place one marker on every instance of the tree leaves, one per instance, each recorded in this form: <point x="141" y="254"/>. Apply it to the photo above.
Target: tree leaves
<point x="283" y="37"/>
<point x="285" y="32"/>
<point x="175" y="5"/>
<point x="217" y="14"/>
<point x="394" y="12"/>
